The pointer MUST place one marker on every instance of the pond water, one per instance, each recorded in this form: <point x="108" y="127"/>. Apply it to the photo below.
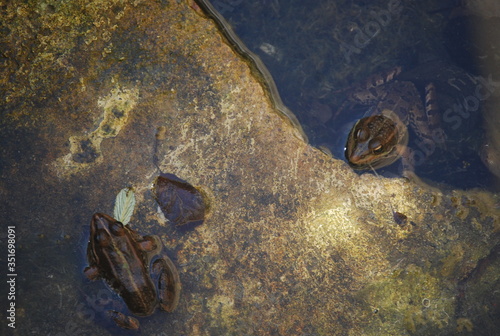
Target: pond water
<point x="317" y="50"/>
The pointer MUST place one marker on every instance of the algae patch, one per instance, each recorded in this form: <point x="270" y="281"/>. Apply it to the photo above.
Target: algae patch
<point x="416" y="298"/>
<point x="85" y="150"/>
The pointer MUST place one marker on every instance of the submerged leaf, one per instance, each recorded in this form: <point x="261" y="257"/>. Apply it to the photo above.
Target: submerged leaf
<point x="124" y="205"/>
<point x="180" y="202"/>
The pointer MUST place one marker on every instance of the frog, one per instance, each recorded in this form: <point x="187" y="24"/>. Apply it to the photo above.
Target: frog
<point x="129" y="262"/>
<point x="381" y="137"/>
<point x="441" y="108"/>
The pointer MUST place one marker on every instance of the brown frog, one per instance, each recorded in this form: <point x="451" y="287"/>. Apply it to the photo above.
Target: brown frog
<point x="122" y="257"/>
<point x="381" y="138"/>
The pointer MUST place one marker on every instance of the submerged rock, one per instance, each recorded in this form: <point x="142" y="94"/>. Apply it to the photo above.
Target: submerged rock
<point x="180" y="202"/>
<point x="294" y="235"/>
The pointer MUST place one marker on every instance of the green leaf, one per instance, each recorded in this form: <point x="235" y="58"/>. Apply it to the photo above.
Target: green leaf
<point x="124" y="205"/>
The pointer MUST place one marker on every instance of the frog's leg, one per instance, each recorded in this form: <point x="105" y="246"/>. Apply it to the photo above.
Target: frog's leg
<point x="169" y="283"/>
<point x="408" y="164"/>
<point x="150" y="244"/>
<point x="427" y="124"/>
<point x="91" y="272"/>
<point x="432" y="112"/>
<point x="123" y="321"/>
<point x="420" y="124"/>
<point x="372" y="82"/>
<point x="370" y="98"/>
<point x="431" y="105"/>
<point x="368" y="92"/>
<point x="408" y="161"/>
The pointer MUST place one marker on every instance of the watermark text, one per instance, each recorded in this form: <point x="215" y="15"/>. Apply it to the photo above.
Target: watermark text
<point x="11" y="276"/>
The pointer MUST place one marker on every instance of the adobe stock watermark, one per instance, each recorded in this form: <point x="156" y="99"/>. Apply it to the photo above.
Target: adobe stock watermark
<point x="456" y="116"/>
<point x="86" y="313"/>
<point x="224" y="6"/>
<point x="11" y="276"/>
<point x="363" y="37"/>
<point x="96" y="306"/>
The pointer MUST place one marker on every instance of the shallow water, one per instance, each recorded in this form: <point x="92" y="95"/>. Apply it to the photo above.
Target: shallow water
<point x="315" y="49"/>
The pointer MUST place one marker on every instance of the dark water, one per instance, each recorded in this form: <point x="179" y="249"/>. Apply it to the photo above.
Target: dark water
<point x="316" y="49"/>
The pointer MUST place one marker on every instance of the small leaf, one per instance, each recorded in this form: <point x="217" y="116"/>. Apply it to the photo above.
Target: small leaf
<point x="124" y="205"/>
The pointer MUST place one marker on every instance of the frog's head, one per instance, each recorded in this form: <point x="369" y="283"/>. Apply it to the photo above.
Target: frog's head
<point x="105" y="233"/>
<point x="373" y="142"/>
<point x="104" y="227"/>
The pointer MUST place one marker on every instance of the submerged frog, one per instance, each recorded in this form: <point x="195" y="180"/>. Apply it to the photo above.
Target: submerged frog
<point x="122" y="257"/>
<point x="439" y="129"/>
<point x="381" y="138"/>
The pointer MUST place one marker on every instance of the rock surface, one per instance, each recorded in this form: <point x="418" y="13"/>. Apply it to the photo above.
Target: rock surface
<point x="95" y="95"/>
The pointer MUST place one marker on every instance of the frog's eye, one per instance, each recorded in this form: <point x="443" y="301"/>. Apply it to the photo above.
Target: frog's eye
<point x="117" y="229"/>
<point x="362" y="134"/>
<point x="376" y="146"/>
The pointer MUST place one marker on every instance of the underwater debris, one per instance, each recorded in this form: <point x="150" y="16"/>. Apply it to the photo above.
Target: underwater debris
<point x="180" y="202"/>
<point x="400" y="218"/>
